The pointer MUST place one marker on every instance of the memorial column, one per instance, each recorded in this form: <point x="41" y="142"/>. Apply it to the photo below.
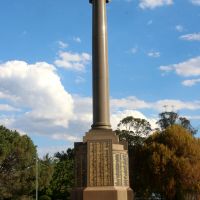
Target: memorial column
<point x="101" y="110"/>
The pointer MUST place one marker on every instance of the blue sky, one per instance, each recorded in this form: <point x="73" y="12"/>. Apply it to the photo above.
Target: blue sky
<point x="45" y="65"/>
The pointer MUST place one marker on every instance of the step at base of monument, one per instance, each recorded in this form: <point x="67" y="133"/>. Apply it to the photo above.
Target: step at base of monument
<point x="108" y="193"/>
<point x="103" y="193"/>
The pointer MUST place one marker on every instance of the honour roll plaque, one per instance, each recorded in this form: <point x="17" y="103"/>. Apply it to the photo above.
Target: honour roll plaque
<point x="120" y="169"/>
<point x="100" y="163"/>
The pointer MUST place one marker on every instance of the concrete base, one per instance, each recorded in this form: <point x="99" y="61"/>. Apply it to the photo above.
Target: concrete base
<point x="77" y="194"/>
<point x="108" y="193"/>
<point x="103" y="193"/>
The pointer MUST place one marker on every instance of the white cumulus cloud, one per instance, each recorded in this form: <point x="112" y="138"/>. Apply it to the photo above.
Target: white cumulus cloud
<point x="191" y="37"/>
<point x="73" y="61"/>
<point x="128" y="103"/>
<point x="36" y="90"/>
<point x="128" y="106"/>
<point x="133" y="103"/>
<point x="144" y="4"/>
<point x="40" y="104"/>
<point x="120" y="108"/>
<point x="187" y="68"/>
<point x="191" y="82"/>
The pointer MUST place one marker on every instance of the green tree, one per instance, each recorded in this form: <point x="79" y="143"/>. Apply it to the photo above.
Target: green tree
<point x="45" y="173"/>
<point x="170" y="118"/>
<point x="133" y="130"/>
<point x="63" y="176"/>
<point x="17" y="161"/>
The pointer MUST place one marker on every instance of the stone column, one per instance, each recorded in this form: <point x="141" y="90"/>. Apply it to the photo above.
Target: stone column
<point x="101" y="111"/>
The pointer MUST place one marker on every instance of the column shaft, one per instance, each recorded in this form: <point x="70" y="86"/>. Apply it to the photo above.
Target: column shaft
<point x="101" y="110"/>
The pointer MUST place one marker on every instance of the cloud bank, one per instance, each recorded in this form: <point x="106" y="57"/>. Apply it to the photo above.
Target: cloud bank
<point x="35" y="90"/>
<point x="34" y="101"/>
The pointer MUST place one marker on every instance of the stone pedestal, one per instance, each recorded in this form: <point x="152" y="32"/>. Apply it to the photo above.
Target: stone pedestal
<point x="101" y="168"/>
<point x="108" y="193"/>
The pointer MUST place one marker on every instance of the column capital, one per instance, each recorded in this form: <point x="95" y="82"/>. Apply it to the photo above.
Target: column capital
<point x="107" y="1"/>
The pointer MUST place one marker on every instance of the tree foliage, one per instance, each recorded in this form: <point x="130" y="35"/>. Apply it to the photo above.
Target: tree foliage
<point x="45" y="173"/>
<point x="63" y="176"/>
<point x="167" y="164"/>
<point x="170" y="118"/>
<point x="18" y="170"/>
<point x="133" y="130"/>
<point x="17" y="161"/>
<point x="56" y="175"/>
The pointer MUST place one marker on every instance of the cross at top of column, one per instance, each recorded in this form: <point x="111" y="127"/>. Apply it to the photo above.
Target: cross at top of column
<point x="107" y="1"/>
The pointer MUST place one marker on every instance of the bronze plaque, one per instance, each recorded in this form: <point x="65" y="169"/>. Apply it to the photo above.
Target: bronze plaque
<point x="120" y="169"/>
<point x="100" y="163"/>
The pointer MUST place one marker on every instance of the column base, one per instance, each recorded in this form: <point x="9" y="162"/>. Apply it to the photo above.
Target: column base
<point x="103" y="193"/>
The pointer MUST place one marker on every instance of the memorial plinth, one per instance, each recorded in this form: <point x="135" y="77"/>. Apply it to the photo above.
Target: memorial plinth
<point x="101" y="160"/>
<point x="101" y="168"/>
